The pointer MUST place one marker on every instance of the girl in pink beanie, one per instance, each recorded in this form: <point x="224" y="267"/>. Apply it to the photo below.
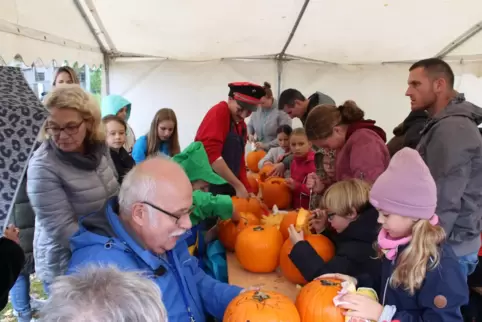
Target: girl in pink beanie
<point x="421" y="277"/>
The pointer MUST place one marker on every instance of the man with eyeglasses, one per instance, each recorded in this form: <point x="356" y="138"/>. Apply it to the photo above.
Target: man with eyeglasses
<point x="223" y="133"/>
<point x="145" y="229"/>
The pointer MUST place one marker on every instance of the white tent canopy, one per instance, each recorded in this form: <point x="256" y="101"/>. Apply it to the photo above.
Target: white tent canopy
<point x="181" y="54"/>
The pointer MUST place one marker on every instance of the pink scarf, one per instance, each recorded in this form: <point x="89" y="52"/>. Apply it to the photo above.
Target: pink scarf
<point x="390" y="246"/>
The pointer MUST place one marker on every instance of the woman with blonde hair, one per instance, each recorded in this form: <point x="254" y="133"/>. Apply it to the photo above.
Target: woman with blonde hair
<point x="360" y="147"/>
<point x="421" y="277"/>
<point x="69" y="176"/>
<point x="162" y="138"/>
<point x="65" y="75"/>
<point x="354" y="230"/>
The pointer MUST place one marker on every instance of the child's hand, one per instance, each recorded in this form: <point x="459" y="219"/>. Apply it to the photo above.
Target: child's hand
<point x="294" y="235"/>
<point x="290" y="183"/>
<point x="341" y="277"/>
<point x="267" y="163"/>
<point x="12" y="233"/>
<point x="314" y="182"/>
<point x="317" y="221"/>
<point x="278" y="170"/>
<point x="259" y="145"/>
<point x="362" y="306"/>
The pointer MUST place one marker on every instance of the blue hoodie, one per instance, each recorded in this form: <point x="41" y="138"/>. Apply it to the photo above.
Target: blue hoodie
<point x="111" y="104"/>
<point x="102" y="239"/>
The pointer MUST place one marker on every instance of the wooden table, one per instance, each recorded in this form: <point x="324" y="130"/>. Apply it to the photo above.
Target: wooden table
<point x="268" y="281"/>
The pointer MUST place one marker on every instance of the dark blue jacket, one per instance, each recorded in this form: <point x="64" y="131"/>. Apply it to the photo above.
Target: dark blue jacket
<point x="446" y="281"/>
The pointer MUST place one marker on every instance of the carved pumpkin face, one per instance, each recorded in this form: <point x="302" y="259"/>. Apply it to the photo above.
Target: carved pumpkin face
<point x="315" y="301"/>
<point x="261" y="306"/>
<point x="258" y="247"/>
<point x="276" y="192"/>
<point x="322" y="246"/>
<point x="253" y="159"/>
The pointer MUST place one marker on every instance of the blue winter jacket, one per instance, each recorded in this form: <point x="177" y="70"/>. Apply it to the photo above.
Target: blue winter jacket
<point x="445" y="281"/>
<point x="139" y="151"/>
<point x="102" y="239"/>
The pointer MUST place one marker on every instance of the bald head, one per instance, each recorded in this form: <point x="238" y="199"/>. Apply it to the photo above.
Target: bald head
<point x="156" y="180"/>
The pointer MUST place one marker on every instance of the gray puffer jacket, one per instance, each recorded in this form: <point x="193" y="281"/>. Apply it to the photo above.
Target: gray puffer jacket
<point x="60" y="194"/>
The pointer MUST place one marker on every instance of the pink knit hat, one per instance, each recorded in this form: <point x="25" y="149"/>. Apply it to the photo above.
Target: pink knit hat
<point x="406" y="188"/>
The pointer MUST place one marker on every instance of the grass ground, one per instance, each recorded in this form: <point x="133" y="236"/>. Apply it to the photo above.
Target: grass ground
<point x="36" y="290"/>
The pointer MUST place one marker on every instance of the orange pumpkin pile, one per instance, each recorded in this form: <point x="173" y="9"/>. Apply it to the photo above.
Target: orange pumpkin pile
<point x="275" y="191"/>
<point x="321" y="244"/>
<point x="253" y="179"/>
<point x="265" y="171"/>
<point x="261" y="306"/>
<point x="315" y="301"/>
<point x="228" y="230"/>
<point x="258" y="247"/>
<point x="253" y="159"/>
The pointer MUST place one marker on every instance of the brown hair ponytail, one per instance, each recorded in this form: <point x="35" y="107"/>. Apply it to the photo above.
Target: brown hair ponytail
<point x="323" y="118"/>
<point x="267" y="89"/>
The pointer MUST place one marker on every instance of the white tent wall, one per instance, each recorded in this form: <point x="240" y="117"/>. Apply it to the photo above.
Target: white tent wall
<point x="191" y="88"/>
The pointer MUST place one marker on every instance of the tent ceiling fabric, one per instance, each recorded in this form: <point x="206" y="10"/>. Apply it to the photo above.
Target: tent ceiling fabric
<point x="338" y="31"/>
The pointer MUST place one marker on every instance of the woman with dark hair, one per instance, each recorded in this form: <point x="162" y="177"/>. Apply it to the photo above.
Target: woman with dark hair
<point x="263" y="124"/>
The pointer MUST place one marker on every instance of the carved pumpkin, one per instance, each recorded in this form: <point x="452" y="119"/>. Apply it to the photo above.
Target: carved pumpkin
<point x="274" y="219"/>
<point x="299" y="219"/>
<point x="253" y="179"/>
<point x="265" y="171"/>
<point x="321" y="244"/>
<point x="315" y="301"/>
<point x="276" y="192"/>
<point x="250" y="218"/>
<point x="258" y="247"/>
<point x="261" y="306"/>
<point x="253" y="159"/>
<point x="252" y="205"/>
<point x="228" y="232"/>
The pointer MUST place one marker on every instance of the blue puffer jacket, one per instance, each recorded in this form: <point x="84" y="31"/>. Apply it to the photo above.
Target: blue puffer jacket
<point x="139" y="152"/>
<point x="442" y="294"/>
<point x="102" y="239"/>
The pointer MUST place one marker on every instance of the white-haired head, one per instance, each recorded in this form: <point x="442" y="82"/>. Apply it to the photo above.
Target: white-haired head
<point x="104" y="294"/>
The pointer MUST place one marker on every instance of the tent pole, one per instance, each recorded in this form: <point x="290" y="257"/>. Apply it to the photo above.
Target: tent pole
<point x="460" y="40"/>
<point x="279" y="68"/>
<point x="107" y="73"/>
<point x="290" y="37"/>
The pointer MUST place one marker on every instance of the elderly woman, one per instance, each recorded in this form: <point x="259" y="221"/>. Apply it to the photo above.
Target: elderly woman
<point x="264" y="123"/>
<point x="69" y="176"/>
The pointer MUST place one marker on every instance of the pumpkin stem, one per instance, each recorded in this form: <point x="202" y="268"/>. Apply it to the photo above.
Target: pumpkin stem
<point x="260" y="296"/>
<point x="328" y="283"/>
<point x="258" y="228"/>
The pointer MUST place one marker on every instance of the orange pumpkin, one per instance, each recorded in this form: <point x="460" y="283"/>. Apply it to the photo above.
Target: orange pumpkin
<point x="253" y="159"/>
<point x="261" y="306"/>
<point x="323" y="247"/>
<point x="276" y="192"/>
<point x="258" y="247"/>
<point x="315" y="301"/>
<point x="298" y="219"/>
<point x="250" y="218"/>
<point x="253" y="181"/>
<point x="228" y="232"/>
<point x="252" y="205"/>
<point x="265" y="171"/>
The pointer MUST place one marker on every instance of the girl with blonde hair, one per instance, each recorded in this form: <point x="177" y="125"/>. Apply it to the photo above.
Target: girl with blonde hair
<point x="69" y="176"/>
<point x="421" y="278"/>
<point x="354" y="221"/>
<point x="163" y="137"/>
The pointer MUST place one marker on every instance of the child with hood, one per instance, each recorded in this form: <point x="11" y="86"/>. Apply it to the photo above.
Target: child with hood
<point x="119" y="106"/>
<point x="194" y="160"/>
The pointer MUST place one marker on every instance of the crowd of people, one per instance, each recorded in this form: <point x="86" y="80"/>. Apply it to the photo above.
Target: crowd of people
<point x="102" y="213"/>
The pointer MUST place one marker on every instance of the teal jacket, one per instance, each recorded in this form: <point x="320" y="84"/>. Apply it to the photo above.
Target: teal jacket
<point x="111" y="104"/>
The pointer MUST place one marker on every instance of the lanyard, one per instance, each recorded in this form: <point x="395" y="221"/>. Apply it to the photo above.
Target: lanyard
<point x="181" y="286"/>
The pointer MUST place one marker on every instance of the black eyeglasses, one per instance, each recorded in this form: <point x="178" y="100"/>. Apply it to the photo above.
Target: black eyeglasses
<point x="188" y="212"/>
<point x="69" y="130"/>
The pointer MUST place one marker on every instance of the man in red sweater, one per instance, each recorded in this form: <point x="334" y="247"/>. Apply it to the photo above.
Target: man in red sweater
<point x="223" y="134"/>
